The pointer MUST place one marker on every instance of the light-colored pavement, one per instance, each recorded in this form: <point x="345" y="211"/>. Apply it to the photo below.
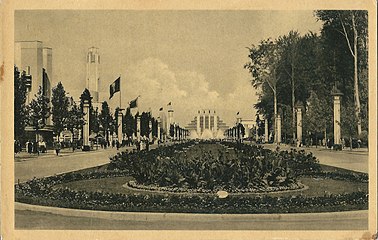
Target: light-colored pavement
<point x="26" y="216"/>
<point x="356" y="159"/>
<point x="28" y="166"/>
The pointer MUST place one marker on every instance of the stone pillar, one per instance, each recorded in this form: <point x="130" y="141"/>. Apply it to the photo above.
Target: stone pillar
<point x="336" y="118"/>
<point x="299" y="125"/>
<point x="203" y="120"/>
<point x="138" y="129"/>
<point x="86" y="146"/>
<point x="266" y="131"/>
<point x="158" y="129"/>
<point x="198" y="124"/>
<point x="209" y="121"/>
<point x="215" y="124"/>
<point x="119" y="129"/>
<point x="150" y="130"/>
<point x="278" y="129"/>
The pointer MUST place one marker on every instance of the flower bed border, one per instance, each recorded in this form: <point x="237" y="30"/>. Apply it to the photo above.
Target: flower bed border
<point x="42" y="192"/>
<point x="177" y="190"/>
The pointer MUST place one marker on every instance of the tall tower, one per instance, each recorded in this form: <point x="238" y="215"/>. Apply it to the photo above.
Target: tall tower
<point x="93" y="72"/>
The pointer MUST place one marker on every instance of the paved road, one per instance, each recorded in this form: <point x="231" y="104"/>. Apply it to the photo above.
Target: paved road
<point x="27" y="167"/>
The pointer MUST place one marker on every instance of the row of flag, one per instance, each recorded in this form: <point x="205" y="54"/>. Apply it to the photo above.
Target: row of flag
<point x="116" y="87"/>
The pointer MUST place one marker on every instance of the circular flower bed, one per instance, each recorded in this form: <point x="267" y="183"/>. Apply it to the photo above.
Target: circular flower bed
<point x="269" y="166"/>
<point x="44" y="191"/>
<point x="212" y="166"/>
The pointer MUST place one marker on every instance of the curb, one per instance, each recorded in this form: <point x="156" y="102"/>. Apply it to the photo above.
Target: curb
<point x="149" y="216"/>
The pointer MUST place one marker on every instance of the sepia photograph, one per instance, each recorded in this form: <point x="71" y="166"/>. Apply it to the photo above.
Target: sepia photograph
<point x="240" y="120"/>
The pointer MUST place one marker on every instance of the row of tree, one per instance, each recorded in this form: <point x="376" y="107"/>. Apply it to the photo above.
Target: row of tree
<point x="66" y="114"/>
<point x="296" y="69"/>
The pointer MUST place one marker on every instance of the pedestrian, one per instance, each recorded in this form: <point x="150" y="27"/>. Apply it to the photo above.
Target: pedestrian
<point x="35" y="147"/>
<point x="29" y="146"/>
<point x="57" y="148"/>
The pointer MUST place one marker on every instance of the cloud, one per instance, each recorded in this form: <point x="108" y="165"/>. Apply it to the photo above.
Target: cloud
<point x="189" y="91"/>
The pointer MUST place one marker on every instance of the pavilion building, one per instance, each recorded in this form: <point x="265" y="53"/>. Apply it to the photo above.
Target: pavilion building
<point x="207" y="125"/>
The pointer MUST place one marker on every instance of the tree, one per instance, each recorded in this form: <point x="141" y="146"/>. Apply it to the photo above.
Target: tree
<point x="20" y="115"/>
<point x="286" y="121"/>
<point x="145" y="124"/>
<point x="289" y="62"/>
<point x="128" y="123"/>
<point x="314" y="117"/>
<point x="75" y="119"/>
<point x="352" y="25"/>
<point x="264" y="60"/>
<point x="95" y="122"/>
<point x="59" y="108"/>
<point x="106" y="119"/>
<point x="116" y="123"/>
<point x="348" y="123"/>
<point x="39" y="111"/>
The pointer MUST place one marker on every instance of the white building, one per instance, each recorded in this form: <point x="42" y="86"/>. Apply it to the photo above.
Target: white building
<point x="206" y="125"/>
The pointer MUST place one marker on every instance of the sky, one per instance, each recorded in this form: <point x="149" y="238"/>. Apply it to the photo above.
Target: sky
<point x="193" y="59"/>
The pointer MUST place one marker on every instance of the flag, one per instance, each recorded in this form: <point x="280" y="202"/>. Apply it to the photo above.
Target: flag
<point x="161" y="109"/>
<point x="134" y="103"/>
<point x="169" y="104"/>
<point x="115" y="87"/>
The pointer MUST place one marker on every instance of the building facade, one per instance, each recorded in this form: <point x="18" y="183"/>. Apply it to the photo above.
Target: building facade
<point x="206" y="125"/>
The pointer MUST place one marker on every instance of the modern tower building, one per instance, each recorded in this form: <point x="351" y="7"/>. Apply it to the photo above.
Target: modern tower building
<point x="93" y="73"/>
<point x="36" y="60"/>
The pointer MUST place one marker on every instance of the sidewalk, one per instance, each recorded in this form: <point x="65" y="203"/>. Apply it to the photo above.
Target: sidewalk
<point x="24" y="156"/>
<point x="356" y="159"/>
<point x="46" y="164"/>
<point x="314" y="148"/>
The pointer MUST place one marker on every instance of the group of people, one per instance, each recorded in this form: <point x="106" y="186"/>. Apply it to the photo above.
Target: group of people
<point x="31" y="146"/>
